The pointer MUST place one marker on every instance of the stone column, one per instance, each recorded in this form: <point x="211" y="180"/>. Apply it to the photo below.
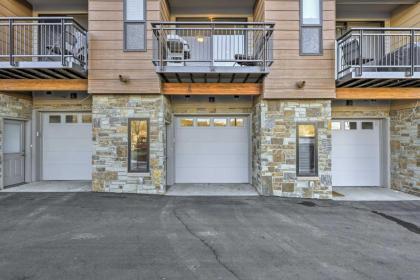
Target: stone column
<point x="274" y="147"/>
<point x="405" y="146"/>
<point x="110" y="141"/>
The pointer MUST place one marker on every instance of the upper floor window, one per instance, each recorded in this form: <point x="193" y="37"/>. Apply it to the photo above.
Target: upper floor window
<point x="134" y="25"/>
<point x="311" y="27"/>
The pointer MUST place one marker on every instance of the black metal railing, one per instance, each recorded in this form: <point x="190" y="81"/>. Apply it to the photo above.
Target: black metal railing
<point x="379" y="50"/>
<point x="213" y="44"/>
<point x="43" y="39"/>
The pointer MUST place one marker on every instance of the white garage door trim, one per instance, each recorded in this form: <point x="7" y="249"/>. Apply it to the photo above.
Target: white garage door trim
<point x="212" y="153"/>
<point x="357" y="152"/>
<point x="66" y="146"/>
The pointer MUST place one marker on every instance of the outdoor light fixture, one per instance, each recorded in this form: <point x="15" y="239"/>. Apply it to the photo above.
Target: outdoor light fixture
<point x="123" y="79"/>
<point x="200" y="39"/>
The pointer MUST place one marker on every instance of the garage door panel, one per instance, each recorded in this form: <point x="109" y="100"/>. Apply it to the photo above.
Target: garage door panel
<point x="356" y="151"/>
<point x="60" y="172"/>
<point x="214" y="175"/>
<point x="356" y="155"/>
<point x="214" y="148"/>
<point x="211" y="154"/>
<point x="212" y="161"/>
<point x="210" y="135"/>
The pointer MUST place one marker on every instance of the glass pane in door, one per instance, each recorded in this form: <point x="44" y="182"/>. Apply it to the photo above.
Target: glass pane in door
<point x="12" y="137"/>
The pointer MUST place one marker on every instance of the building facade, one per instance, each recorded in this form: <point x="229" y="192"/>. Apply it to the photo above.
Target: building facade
<point x="294" y="97"/>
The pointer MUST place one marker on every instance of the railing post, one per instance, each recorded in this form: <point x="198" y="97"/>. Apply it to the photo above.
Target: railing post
<point x="361" y="54"/>
<point x="160" y="39"/>
<point x="11" y="43"/>
<point x="264" y="49"/>
<point x="412" y="53"/>
<point x="63" y="43"/>
<point x="212" y="47"/>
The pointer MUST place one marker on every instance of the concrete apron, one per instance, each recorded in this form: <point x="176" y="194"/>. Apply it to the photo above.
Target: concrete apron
<point x="212" y="190"/>
<point x="370" y="194"/>
<point x="52" y="186"/>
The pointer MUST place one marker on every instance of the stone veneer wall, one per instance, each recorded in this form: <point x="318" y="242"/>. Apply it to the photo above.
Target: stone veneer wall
<point x="12" y="107"/>
<point x="405" y="147"/>
<point x="274" y="148"/>
<point x="110" y="138"/>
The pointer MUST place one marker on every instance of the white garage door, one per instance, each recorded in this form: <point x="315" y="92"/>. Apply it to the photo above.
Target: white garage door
<point x="356" y="153"/>
<point x="67" y="146"/>
<point x="212" y="150"/>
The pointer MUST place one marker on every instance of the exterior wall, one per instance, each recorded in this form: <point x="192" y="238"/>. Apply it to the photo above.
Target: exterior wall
<point x="13" y="107"/>
<point x="201" y="105"/>
<point x="110" y="141"/>
<point x="406" y="16"/>
<point x="274" y="148"/>
<point x="360" y="110"/>
<point x="289" y="67"/>
<point x="17" y="8"/>
<point x="107" y="60"/>
<point x="405" y="146"/>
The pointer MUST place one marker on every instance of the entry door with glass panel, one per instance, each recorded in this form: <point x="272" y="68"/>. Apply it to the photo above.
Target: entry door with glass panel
<point x="14" y="152"/>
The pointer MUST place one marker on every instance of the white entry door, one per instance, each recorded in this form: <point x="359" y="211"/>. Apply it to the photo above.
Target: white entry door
<point x="212" y="149"/>
<point x="14" y="152"/>
<point x="67" y="146"/>
<point x="356" y="153"/>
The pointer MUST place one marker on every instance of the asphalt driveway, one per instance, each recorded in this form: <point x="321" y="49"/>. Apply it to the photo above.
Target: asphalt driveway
<point x="110" y="236"/>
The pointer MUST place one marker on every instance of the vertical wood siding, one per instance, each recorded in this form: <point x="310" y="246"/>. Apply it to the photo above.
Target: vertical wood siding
<point x="107" y="60"/>
<point x="289" y="67"/>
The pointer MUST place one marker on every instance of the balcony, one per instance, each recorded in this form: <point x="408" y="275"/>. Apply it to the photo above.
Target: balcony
<point x="212" y="52"/>
<point x="378" y="57"/>
<point x="42" y="48"/>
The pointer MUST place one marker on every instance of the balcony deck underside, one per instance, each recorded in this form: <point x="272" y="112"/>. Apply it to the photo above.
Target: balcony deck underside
<point x="379" y="79"/>
<point x="204" y="74"/>
<point x="41" y="70"/>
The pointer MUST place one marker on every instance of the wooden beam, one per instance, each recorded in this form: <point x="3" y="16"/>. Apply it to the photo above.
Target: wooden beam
<point x="211" y="89"/>
<point x="43" y="85"/>
<point x="378" y="93"/>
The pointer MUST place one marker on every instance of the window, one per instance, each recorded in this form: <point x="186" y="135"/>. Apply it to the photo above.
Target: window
<point x="307" y="154"/>
<point x="134" y="25"/>
<point x="138" y="145"/>
<point x="311" y="27"/>
<point x="238" y="122"/>
<point x="367" y="125"/>
<point x="203" y="122"/>
<point x="350" y="125"/>
<point x="220" y="122"/>
<point x="187" y="122"/>
<point x="335" y="125"/>
<point x="71" y="118"/>
<point x="86" y="118"/>
<point x="54" y="119"/>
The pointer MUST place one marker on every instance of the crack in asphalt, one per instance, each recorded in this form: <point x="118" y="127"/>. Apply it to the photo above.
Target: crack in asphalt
<point x="205" y="243"/>
<point x="409" y="226"/>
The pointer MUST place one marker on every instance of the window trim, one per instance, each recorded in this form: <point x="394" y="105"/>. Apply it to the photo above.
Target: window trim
<point x="320" y="26"/>
<point x="316" y="174"/>
<point x="147" y="170"/>
<point x="126" y="22"/>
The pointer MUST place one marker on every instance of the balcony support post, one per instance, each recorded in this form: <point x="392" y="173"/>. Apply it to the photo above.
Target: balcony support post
<point x="11" y="43"/>
<point x="63" y="43"/>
